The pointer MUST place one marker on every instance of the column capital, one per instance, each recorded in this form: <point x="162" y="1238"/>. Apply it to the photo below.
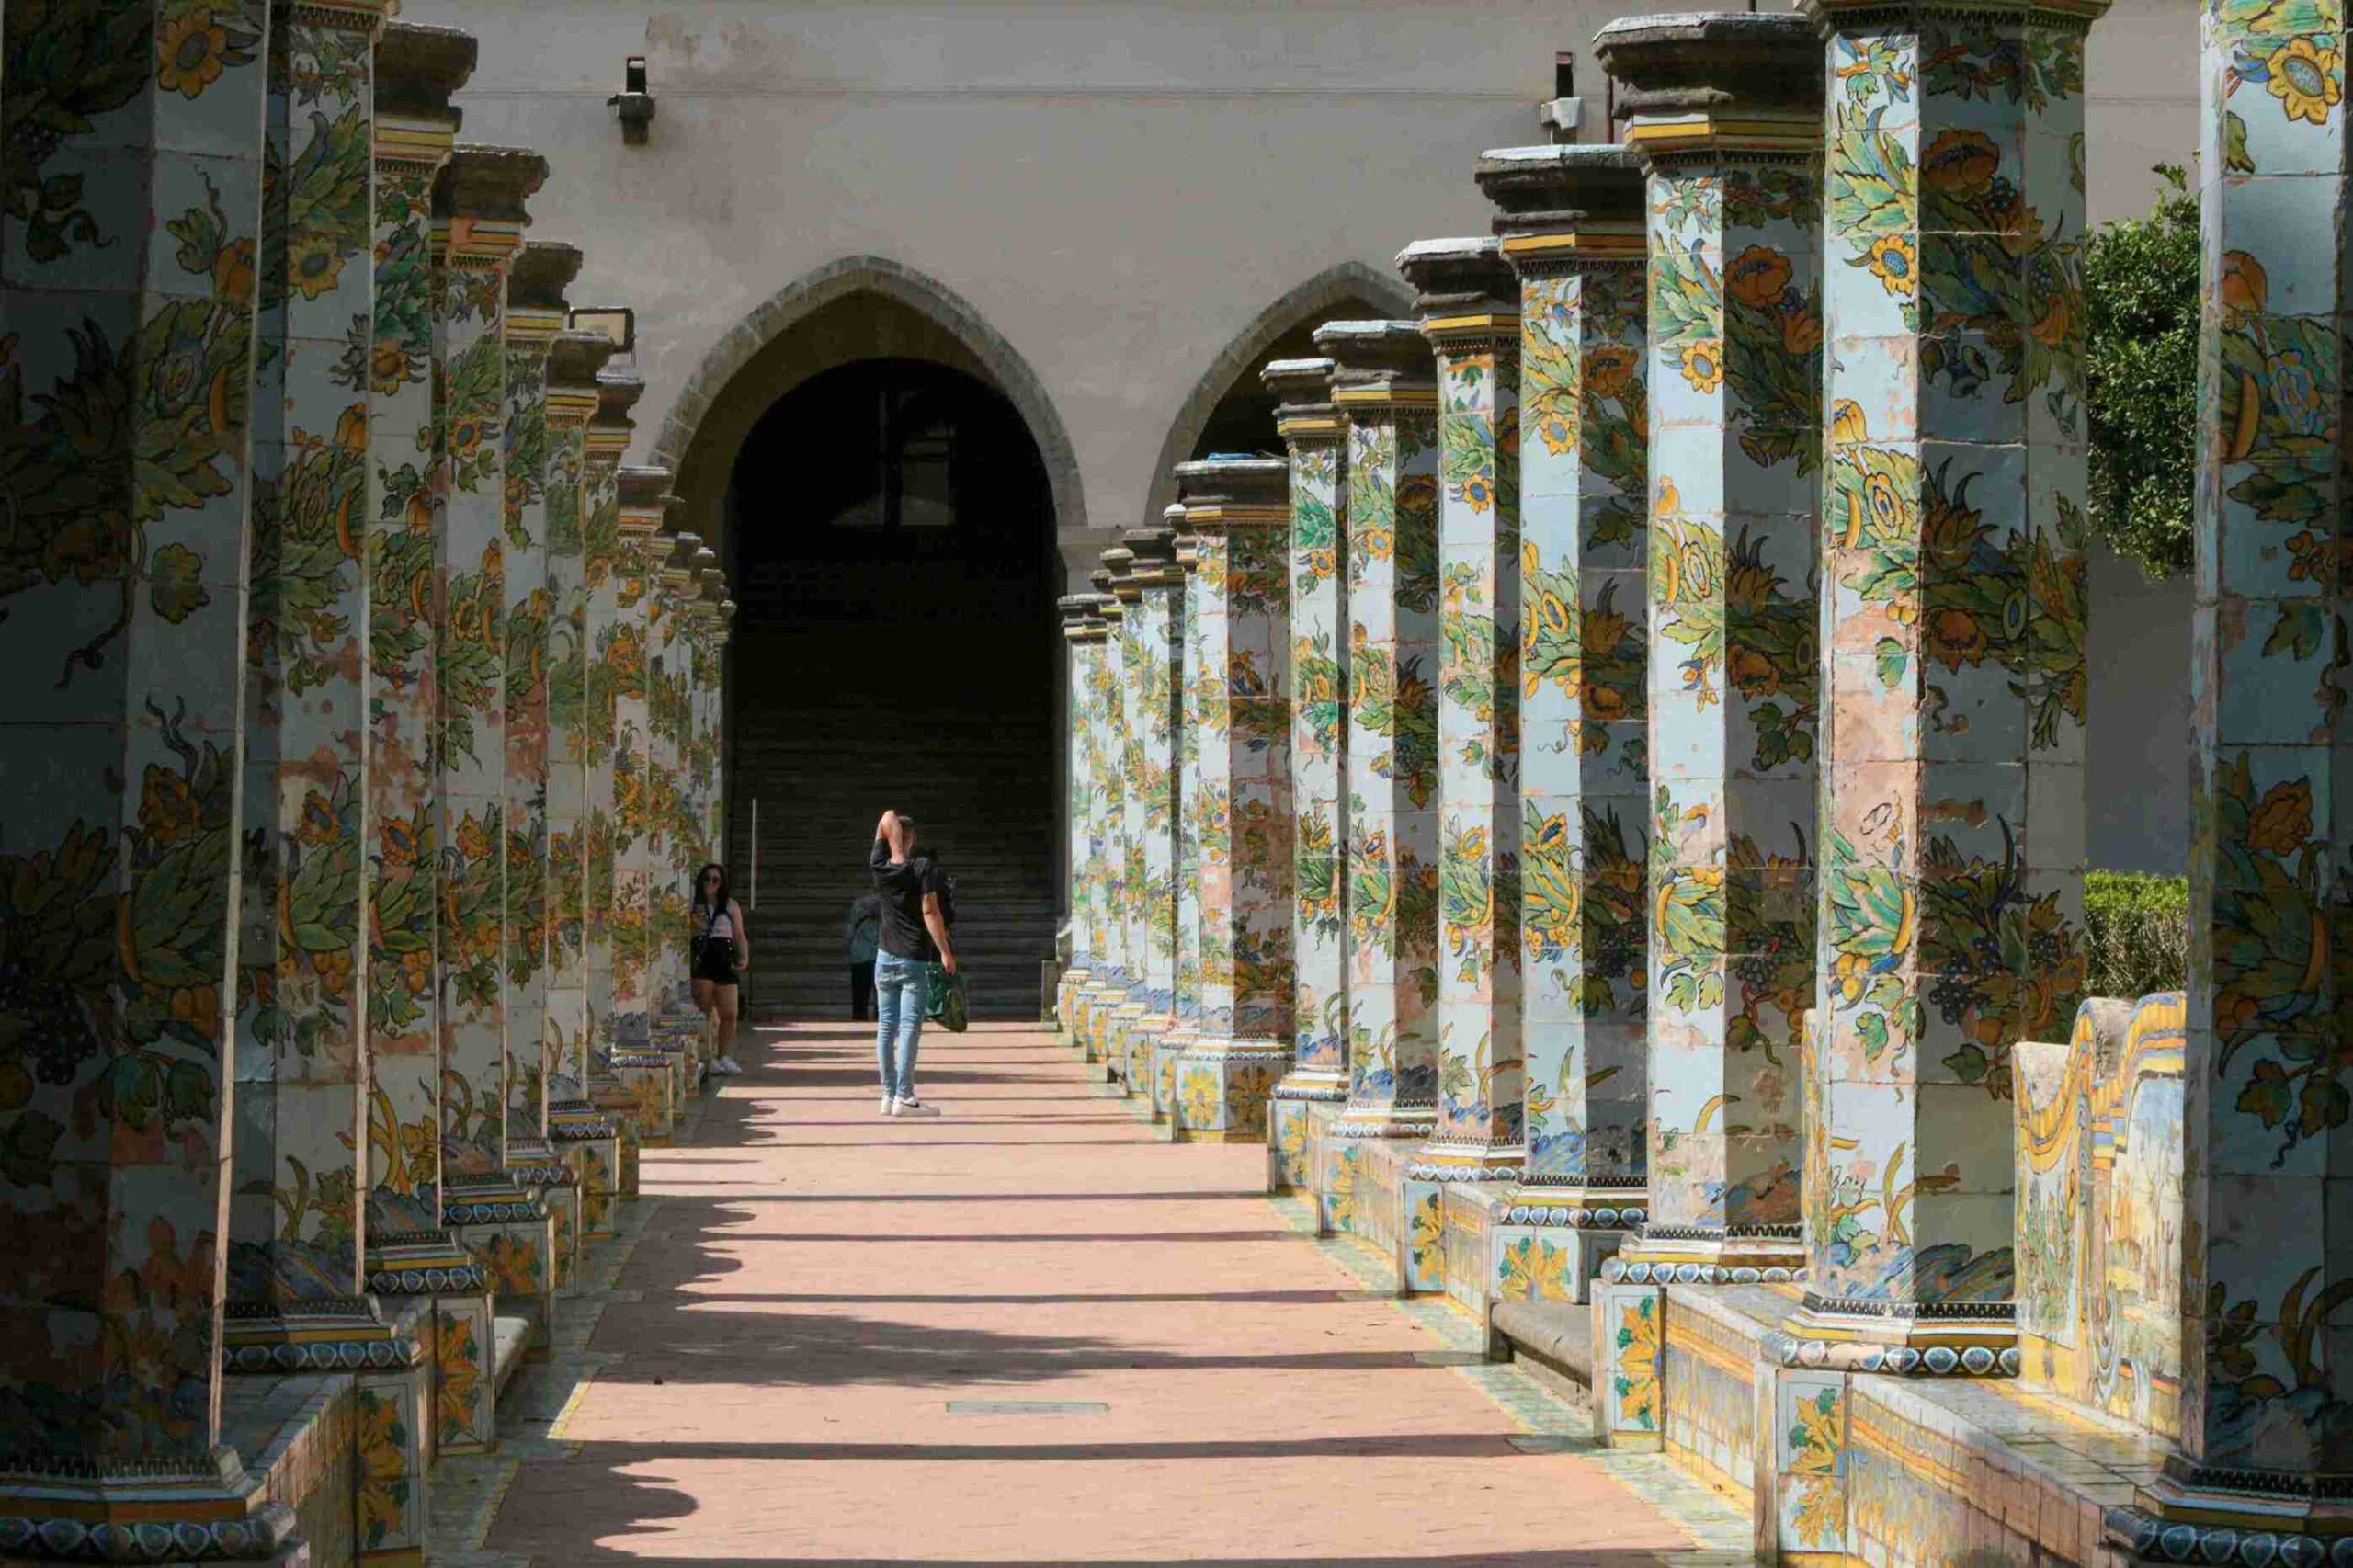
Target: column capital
<point x="1566" y="208"/>
<point x="1831" y="16"/>
<point x="1712" y="83"/>
<point x="1217" y="494"/>
<point x="678" y="566"/>
<point x="1303" y="411"/>
<point x="574" y="360"/>
<point x="1466" y="294"/>
<point x="1152" y="553"/>
<point x="364" y="16"/>
<point x="478" y="212"/>
<point x="1082" y="620"/>
<point x="643" y="491"/>
<point x="1379" y="363"/>
<point x="536" y="281"/>
<point x="609" y="430"/>
<point x="417" y="69"/>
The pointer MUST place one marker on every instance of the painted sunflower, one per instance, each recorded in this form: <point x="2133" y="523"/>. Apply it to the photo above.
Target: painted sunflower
<point x="190" y="55"/>
<point x="1703" y="365"/>
<point x="2304" y="78"/>
<point x="1894" y="263"/>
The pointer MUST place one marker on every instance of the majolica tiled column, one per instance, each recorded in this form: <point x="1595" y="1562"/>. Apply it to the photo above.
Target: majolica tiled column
<point x="602" y="556"/>
<point x="1082" y="650"/>
<point x="535" y="315"/>
<point x="622" y="658"/>
<point x="1573" y="228"/>
<point x="1470" y="311"/>
<point x="1152" y="633"/>
<point x="409" y="1254"/>
<point x="1237" y="516"/>
<point x="1109" y="989"/>
<point x="478" y="222"/>
<point x="2265" y="1455"/>
<point x="130" y="300"/>
<point x="298" y="1271"/>
<point x="1318" y="1082"/>
<point x="584" y="1137"/>
<point x="1185" y="1002"/>
<point x="1385" y="383"/>
<point x="1953" y="826"/>
<point x="479" y="219"/>
<point x="669" y="703"/>
<point x="1725" y="112"/>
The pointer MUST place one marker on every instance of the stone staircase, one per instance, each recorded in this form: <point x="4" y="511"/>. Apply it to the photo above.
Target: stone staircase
<point x="976" y="772"/>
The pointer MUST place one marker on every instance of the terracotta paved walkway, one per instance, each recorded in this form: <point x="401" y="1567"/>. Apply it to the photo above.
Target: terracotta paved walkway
<point x="782" y="1351"/>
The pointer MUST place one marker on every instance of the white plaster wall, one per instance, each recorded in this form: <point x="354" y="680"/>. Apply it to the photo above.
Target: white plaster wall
<point x="1116" y="186"/>
<point x="2138" y="740"/>
<point x="1119" y="187"/>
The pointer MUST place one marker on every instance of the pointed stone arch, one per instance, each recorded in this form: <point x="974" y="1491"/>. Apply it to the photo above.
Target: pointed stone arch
<point x="1313" y="300"/>
<point x="701" y="432"/>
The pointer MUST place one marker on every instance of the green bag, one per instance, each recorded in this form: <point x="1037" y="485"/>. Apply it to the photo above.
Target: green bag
<point x="943" y="1001"/>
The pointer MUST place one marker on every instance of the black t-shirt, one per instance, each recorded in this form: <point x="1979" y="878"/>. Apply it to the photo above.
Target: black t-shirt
<point x="901" y="888"/>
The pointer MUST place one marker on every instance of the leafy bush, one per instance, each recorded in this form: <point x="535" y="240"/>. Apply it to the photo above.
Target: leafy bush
<point x="2137" y="928"/>
<point x="2140" y="375"/>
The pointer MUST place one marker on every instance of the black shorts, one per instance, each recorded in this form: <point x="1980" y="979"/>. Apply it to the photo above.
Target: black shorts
<point x="716" y="964"/>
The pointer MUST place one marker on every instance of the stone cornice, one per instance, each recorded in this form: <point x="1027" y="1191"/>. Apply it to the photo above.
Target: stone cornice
<point x="1379" y="363"/>
<point x="1711" y="84"/>
<point x="1219" y="495"/>
<point x="1304" y="415"/>
<point x="609" y="431"/>
<point x="1468" y="297"/>
<point x="542" y="270"/>
<point x="574" y="360"/>
<point x="479" y="212"/>
<point x="643" y="492"/>
<point x="1567" y="206"/>
<point x="419" y="69"/>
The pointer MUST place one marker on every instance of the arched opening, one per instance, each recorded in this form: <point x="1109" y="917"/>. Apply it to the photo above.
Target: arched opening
<point x="888" y="522"/>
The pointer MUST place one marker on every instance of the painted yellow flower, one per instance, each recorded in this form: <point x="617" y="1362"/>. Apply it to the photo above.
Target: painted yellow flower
<point x="2305" y="79"/>
<point x="1894" y="263"/>
<point x="1847" y="423"/>
<point x="457" y="1363"/>
<point x="1203" y="1102"/>
<point x="314" y="265"/>
<point x="189" y="57"/>
<point x="382" y="1443"/>
<point x="1636" y="1379"/>
<point x="1430" y="1222"/>
<point x="1703" y="365"/>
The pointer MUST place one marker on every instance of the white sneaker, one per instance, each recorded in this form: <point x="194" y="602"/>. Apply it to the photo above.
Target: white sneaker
<point x="915" y="1108"/>
<point x="890" y="1105"/>
<point x="727" y="1066"/>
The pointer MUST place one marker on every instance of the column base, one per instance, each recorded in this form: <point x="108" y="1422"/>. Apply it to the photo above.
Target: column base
<point x="382" y="1347"/>
<point x="1290" y="1124"/>
<point x="1967" y="1339"/>
<point x="651" y="1083"/>
<point x="1069" y="988"/>
<point x="210" y="1509"/>
<point x="535" y="1166"/>
<point x="1693" y="1254"/>
<point x="2194" y="1515"/>
<point x="1552" y="1242"/>
<point x="1221" y="1086"/>
<point x="1105" y="998"/>
<point x="430" y="1268"/>
<point x="588" y="1143"/>
<point x="507" y="1228"/>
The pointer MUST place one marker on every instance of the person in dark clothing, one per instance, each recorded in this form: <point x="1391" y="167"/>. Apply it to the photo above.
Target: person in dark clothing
<point x="865" y="932"/>
<point x="914" y="933"/>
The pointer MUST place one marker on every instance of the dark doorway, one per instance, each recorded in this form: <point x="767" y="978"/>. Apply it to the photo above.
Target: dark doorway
<point x="895" y="646"/>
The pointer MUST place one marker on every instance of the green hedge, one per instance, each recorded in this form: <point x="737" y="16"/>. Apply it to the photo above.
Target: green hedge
<point x="2137" y="928"/>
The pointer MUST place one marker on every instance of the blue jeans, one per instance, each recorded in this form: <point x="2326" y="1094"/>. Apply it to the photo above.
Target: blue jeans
<point x="899" y="991"/>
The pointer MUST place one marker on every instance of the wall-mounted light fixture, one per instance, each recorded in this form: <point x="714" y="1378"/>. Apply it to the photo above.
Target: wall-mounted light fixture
<point x="635" y="104"/>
